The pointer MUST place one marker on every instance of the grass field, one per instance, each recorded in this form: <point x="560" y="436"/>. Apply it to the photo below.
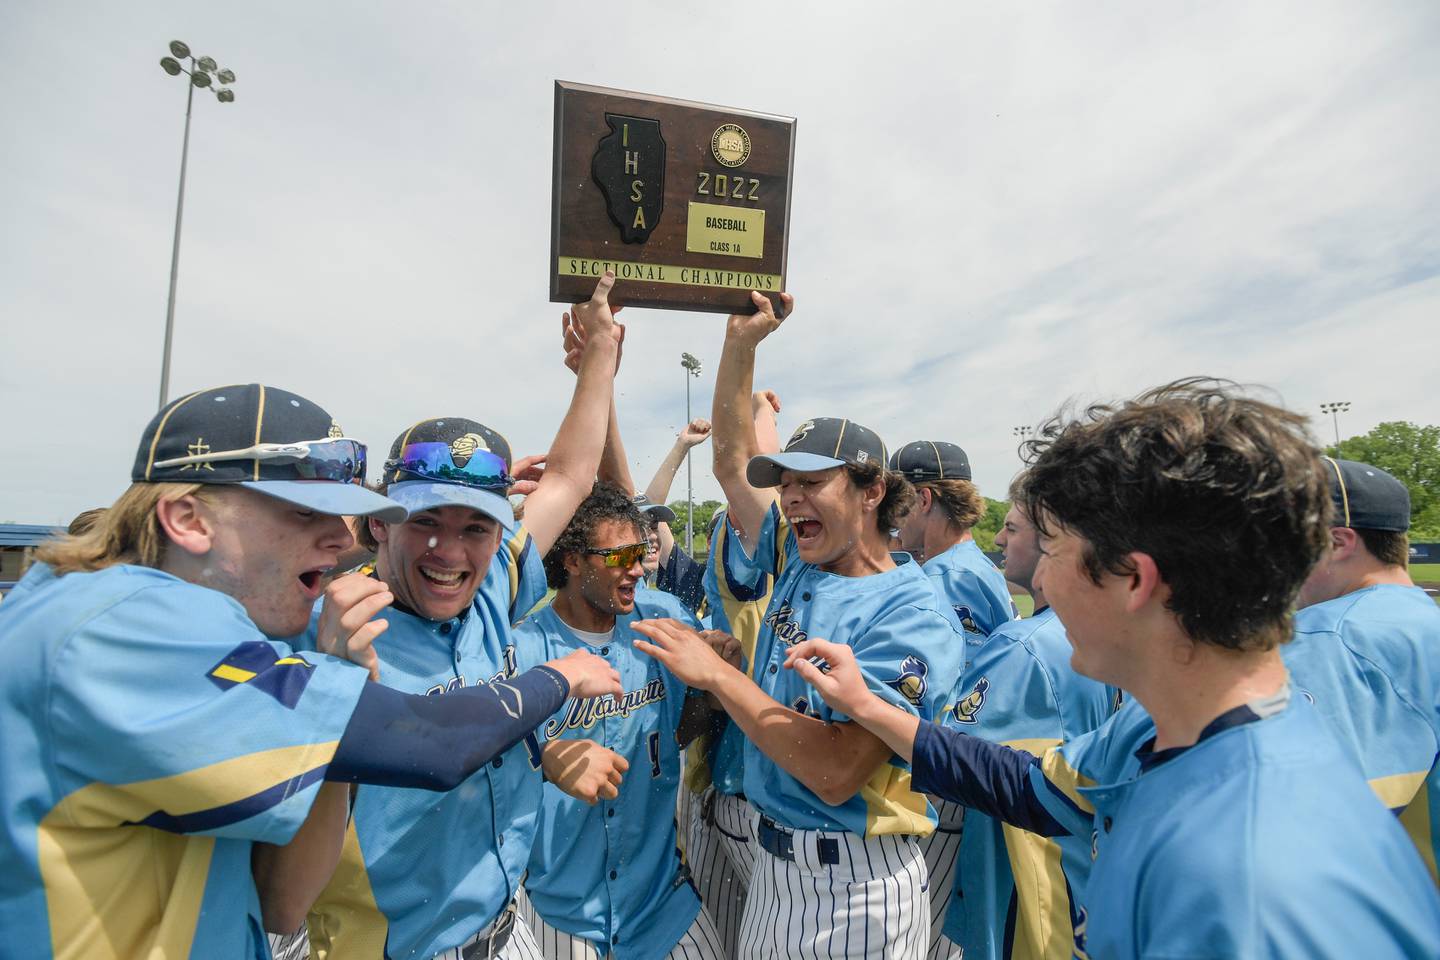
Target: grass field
<point x="1425" y="572"/>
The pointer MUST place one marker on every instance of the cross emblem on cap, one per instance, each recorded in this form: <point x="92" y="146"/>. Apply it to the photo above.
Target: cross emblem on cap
<point x="197" y="449"/>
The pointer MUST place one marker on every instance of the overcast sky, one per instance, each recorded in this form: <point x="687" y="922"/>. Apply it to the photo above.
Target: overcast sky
<point x="996" y="207"/>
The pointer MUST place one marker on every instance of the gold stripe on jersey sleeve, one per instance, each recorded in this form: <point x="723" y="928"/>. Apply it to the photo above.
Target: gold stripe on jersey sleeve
<point x="515" y="546"/>
<point x="1065" y="778"/>
<point x="1417" y="819"/>
<point x="90" y="859"/>
<point x="1042" y="901"/>
<point x="892" y="807"/>
<point x="345" y="921"/>
<point x="1397" y="790"/>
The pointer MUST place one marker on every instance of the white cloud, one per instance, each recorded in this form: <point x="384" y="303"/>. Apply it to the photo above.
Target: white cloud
<point x="995" y="208"/>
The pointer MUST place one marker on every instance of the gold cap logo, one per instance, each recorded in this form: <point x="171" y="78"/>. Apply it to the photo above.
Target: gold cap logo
<point x="335" y="432"/>
<point x="731" y="145"/>
<point x="463" y="448"/>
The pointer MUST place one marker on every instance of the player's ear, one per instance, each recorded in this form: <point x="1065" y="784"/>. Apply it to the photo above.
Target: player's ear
<point x="379" y="529"/>
<point x="1144" y="582"/>
<point x="1343" y="543"/>
<point x="188" y="522"/>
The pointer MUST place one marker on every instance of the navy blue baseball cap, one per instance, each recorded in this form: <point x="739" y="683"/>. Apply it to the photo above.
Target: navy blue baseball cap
<point x="818" y="444"/>
<point x="265" y="439"/>
<point x="451" y="462"/>
<point x="656" y="510"/>
<point x="923" y="460"/>
<point x="1367" y="498"/>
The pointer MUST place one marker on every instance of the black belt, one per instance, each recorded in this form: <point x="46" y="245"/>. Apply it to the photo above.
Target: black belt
<point x="779" y="842"/>
<point x="491" y="946"/>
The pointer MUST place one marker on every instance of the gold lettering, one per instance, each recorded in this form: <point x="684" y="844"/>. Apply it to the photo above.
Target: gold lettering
<point x="632" y="161"/>
<point x="639" y="217"/>
<point x="704" y="187"/>
<point x="635" y="192"/>
<point x="754" y="188"/>
<point x="624" y="134"/>
<point x="722" y="185"/>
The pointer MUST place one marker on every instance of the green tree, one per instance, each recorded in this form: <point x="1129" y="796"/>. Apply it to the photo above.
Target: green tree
<point x="704" y="511"/>
<point x="1412" y="453"/>
<point x="990" y="524"/>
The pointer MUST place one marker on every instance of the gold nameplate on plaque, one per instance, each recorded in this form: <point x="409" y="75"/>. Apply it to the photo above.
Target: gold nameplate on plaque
<point x="669" y="273"/>
<point x="737" y="231"/>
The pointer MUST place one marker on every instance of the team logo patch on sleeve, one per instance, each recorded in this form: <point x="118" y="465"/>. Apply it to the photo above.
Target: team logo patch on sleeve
<point x="968" y="706"/>
<point x="911" y="682"/>
<point x="967" y="619"/>
<point x="255" y="664"/>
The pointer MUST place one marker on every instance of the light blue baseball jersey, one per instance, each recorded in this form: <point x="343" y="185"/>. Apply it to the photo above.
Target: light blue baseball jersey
<point x="973" y="585"/>
<point x="909" y="646"/>
<point x="736" y="594"/>
<point x="610" y="873"/>
<point x="1262" y="840"/>
<point x="422" y="872"/>
<point x="151" y="734"/>
<point x="1012" y="897"/>
<point x="1371" y="661"/>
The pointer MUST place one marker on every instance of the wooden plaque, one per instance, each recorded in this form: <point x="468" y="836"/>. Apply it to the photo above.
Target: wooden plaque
<point x="688" y="203"/>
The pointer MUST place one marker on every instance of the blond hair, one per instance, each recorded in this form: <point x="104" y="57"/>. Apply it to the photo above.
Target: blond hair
<point x="128" y="532"/>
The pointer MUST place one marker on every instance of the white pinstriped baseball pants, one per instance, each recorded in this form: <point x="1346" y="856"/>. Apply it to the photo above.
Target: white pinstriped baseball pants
<point x="872" y="904"/>
<point x="700" y="942"/>
<point x="520" y="946"/>
<point x="721" y="857"/>
<point x="942" y="852"/>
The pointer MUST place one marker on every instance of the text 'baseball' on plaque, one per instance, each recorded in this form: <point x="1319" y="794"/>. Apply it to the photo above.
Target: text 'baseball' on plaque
<point x="687" y="203"/>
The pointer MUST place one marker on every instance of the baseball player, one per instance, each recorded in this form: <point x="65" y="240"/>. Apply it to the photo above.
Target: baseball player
<point x="719" y="830"/>
<point x="1012" y="893"/>
<point x="1225" y="821"/>
<point x="937" y="532"/>
<point x="1367" y="648"/>
<point x="426" y="876"/>
<point x="838" y="871"/>
<point x="174" y="781"/>
<point x="606" y="879"/>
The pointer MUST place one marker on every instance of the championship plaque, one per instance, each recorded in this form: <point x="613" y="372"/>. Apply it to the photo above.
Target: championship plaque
<point x="687" y="203"/>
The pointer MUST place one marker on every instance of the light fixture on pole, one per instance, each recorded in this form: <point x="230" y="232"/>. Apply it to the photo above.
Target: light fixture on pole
<point x="1022" y="433"/>
<point x="1335" y="408"/>
<point x="203" y="73"/>
<point x="692" y="369"/>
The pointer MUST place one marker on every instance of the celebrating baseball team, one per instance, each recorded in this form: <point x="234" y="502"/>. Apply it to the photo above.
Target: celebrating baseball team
<point x="259" y="705"/>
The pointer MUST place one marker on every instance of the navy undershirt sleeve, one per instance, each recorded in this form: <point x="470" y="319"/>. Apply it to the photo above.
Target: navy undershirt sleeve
<point x="682" y="577"/>
<point x="434" y="743"/>
<point x="986" y="776"/>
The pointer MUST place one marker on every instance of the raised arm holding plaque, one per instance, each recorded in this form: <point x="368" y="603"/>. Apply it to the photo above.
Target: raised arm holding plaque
<point x="687" y="203"/>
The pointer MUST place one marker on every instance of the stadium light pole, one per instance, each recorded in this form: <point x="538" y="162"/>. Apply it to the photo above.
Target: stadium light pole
<point x="1335" y="408"/>
<point x="204" y="73"/>
<point x="692" y="369"/>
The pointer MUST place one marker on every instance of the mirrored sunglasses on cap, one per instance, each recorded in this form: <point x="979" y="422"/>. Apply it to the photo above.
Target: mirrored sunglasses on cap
<point x="626" y="556"/>
<point x="434" y="461"/>
<point x="338" y="459"/>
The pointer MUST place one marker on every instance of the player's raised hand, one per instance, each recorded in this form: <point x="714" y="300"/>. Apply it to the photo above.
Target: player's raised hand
<point x="528" y="472"/>
<point x="573" y="339"/>
<point x="696" y="432"/>
<point x="761" y="399"/>
<point x="839" y="682"/>
<point x="725" y="645"/>
<point x="682" y="650"/>
<point x="584" y="769"/>
<point x="346" y="628"/>
<point x="754" y="327"/>
<point x="588" y="675"/>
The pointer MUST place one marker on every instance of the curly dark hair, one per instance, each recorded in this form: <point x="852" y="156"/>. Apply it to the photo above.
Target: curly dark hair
<point x="1225" y="492"/>
<point x="899" y="494"/>
<point x="605" y="502"/>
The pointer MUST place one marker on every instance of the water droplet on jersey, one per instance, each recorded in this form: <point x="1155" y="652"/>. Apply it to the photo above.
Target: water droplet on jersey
<point x="434" y="542"/>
